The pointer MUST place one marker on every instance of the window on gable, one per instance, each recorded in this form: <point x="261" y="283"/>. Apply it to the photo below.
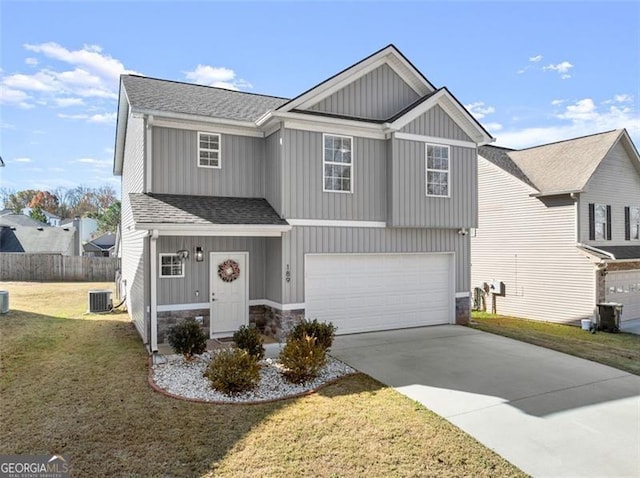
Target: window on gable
<point x="337" y="161"/>
<point x="599" y="222"/>
<point x="209" y="150"/>
<point x="437" y="170"/>
<point x="171" y="266"/>
<point x="632" y="219"/>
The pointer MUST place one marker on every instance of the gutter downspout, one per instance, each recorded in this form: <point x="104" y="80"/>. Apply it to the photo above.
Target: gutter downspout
<point x="153" y="273"/>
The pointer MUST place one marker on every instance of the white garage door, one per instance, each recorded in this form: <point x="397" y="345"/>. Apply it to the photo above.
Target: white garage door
<point x="624" y="287"/>
<point x="367" y="292"/>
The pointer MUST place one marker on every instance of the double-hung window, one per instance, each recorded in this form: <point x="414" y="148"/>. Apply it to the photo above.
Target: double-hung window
<point x="599" y="222"/>
<point x="632" y="219"/>
<point x="209" y="150"/>
<point x="337" y="159"/>
<point x="171" y="265"/>
<point x="437" y="162"/>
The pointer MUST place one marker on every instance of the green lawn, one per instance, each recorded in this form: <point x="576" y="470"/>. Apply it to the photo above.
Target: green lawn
<point x="76" y="385"/>
<point x="617" y="350"/>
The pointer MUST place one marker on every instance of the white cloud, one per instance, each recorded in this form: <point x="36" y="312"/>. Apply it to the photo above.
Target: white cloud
<point x="5" y="125"/>
<point x="582" y="110"/>
<point x="220" y="77"/>
<point x="22" y="160"/>
<point x="557" y="102"/>
<point x="95" y="163"/>
<point x="624" y="98"/>
<point x="535" y="59"/>
<point x="31" y="61"/>
<point x="57" y="170"/>
<point x="479" y="110"/>
<point x="492" y="127"/>
<point x="66" y="102"/>
<point x="95" y="118"/>
<point x="9" y="96"/>
<point x="562" y="69"/>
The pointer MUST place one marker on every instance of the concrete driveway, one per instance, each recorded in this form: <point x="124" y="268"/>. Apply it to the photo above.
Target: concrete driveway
<point x="546" y="412"/>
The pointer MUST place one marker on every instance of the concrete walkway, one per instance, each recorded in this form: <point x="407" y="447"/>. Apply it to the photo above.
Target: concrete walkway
<point x="548" y="413"/>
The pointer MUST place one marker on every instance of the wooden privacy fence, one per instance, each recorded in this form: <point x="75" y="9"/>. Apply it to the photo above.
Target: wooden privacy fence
<point x="56" y="267"/>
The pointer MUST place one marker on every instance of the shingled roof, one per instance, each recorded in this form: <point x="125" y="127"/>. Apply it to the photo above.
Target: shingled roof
<point x="500" y="157"/>
<point x="151" y="94"/>
<point x="177" y="209"/>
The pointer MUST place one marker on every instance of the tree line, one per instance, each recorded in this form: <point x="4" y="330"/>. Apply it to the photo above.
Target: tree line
<point x="99" y="203"/>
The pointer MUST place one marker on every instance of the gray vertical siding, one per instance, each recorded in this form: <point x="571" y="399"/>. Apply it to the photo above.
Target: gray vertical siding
<point x="273" y="269"/>
<point x="273" y="171"/>
<point x="183" y="290"/>
<point x="436" y="122"/>
<point x="303" y="173"/>
<point x="408" y="203"/>
<point x="303" y="240"/>
<point x="133" y="246"/>
<point x="176" y="171"/>
<point x="379" y="94"/>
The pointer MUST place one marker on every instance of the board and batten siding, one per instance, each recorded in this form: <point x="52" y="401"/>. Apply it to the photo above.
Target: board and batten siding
<point x="182" y="290"/>
<point x="273" y="171"/>
<point x="379" y="95"/>
<point x="134" y="243"/>
<point x="304" y="197"/>
<point x="436" y="122"/>
<point x="175" y="167"/>
<point x="273" y="269"/>
<point x="530" y="245"/>
<point x="409" y="206"/>
<point x="353" y="240"/>
<point x="615" y="182"/>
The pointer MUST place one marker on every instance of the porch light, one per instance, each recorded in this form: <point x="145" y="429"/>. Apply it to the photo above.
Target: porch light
<point x="183" y="254"/>
<point x="199" y="254"/>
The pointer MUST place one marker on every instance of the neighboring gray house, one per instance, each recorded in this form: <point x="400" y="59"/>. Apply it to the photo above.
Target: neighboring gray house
<point x="101" y="246"/>
<point x="349" y="203"/>
<point x="560" y="227"/>
<point x="52" y="219"/>
<point x="37" y="240"/>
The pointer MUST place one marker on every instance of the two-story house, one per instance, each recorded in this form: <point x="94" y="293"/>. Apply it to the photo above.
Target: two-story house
<point x="560" y="227"/>
<point x="349" y="203"/>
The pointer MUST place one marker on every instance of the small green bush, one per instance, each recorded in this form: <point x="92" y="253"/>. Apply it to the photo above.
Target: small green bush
<point x="233" y="371"/>
<point x="249" y="339"/>
<point x="323" y="332"/>
<point x="302" y="358"/>
<point x="187" y="338"/>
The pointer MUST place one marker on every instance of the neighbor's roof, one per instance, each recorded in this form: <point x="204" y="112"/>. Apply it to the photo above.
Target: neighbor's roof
<point x="176" y="209"/>
<point x="56" y="240"/>
<point x="20" y="220"/>
<point x="622" y="252"/>
<point x="150" y="94"/>
<point x="500" y="157"/>
<point x="105" y="241"/>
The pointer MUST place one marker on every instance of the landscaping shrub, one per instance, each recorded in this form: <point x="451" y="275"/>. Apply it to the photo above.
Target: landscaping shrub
<point x="323" y="332"/>
<point x="302" y="358"/>
<point x="233" y="371"/>
<point x="249" y="339"/>
<point x="187" y="338"/>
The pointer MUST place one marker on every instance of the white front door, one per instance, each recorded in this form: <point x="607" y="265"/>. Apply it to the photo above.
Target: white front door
<point x="229" y="292"/>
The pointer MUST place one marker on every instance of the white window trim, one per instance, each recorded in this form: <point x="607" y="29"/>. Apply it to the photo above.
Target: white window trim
<point x="219" y="150"/>
<point x="324" y="162"/>
<point x="595" y="222"/>
<point x="160" y="274"/>
<point x="631" y="223"/>
<point x="426" y="170"/>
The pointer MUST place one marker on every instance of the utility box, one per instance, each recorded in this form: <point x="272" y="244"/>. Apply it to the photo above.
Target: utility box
<point x="496" y="287"/>
<point x="609" y="316"/>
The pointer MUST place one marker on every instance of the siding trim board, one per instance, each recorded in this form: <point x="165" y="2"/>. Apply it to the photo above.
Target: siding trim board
<point x="330" y="223"/>
<point x="434" y="139"/>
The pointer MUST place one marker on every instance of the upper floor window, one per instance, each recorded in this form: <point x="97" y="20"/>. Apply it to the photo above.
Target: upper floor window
<point x="437" y="170"/>
<point x="171" y="265"/>
<point x="632" y="220"/>
<point x="209" y="150"/>
<point x="337" y="163"/>
<point x="599" y="222"/>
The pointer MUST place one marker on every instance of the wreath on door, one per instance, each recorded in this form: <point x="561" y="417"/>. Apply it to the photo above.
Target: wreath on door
<point x="229" y="270"/>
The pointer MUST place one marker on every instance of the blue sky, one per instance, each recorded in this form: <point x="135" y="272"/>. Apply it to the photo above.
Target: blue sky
<point x="530" y="72"/>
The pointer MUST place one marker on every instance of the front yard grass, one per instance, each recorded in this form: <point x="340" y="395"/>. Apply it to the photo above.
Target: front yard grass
<point x="620" y="350"/>
<point x="76" y="384"/>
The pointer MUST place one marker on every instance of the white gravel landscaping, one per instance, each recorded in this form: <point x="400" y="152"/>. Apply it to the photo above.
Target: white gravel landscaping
<point x="185" y="379"/>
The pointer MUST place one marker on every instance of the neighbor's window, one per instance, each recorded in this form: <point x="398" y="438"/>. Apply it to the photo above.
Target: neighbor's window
<point x="209" y="150"/>
<point x="601" y="219"/>
<point x="437" y="170"/>
<point x="634" y="223"/>
<point x="337" y="163"/>
<point x="171" y="266"/>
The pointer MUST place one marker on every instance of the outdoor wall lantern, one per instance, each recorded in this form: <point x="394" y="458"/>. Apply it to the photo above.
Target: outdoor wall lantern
<point x="199" y="254"/>
<point x="183" y="254"/>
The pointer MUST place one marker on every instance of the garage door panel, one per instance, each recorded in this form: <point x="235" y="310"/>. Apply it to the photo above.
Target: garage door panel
<point x="366" y="292"/>
<point x="624" y="287"/>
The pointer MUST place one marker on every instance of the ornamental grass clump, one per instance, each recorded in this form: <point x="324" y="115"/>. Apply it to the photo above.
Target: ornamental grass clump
<point x="323" y="332"/>
<point x="233" y="371"/>
<point x="249" y="339"/>
<point x="302" y="358"/>
<point x="187" y="338"/>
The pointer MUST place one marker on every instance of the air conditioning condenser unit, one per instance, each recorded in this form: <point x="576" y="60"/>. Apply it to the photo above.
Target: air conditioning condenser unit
<point x="100" y="301"/>
<point x="4" y="301"/>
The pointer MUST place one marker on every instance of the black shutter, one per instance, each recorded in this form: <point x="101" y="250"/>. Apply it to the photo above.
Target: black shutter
<point x="608" y="223"/>
<point x="627" y="224"/>
<point x="592" y="222"/>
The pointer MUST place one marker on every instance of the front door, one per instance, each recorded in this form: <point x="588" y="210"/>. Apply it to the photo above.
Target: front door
<point x="229" y="294"/>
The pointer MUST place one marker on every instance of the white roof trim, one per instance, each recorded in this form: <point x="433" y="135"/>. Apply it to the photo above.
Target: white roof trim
<point x="189" y="117"/>
<point x="325" y="124"/>
<point x="208" y="127"/>
<point x="389" y="55"/>
<point x="245" y="230"/>
<point x="434" y="139"/>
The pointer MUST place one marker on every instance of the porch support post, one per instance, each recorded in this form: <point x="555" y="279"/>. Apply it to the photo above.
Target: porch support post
<point x="153" y="272"/>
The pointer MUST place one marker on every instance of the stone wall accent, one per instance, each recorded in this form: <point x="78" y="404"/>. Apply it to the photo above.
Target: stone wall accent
<point x="168" y="319"/>
<point x="601" y="287"/>
<point x="274" y="322"/>
<point x="623" y="266"/>
<point x="463" y="310"/>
